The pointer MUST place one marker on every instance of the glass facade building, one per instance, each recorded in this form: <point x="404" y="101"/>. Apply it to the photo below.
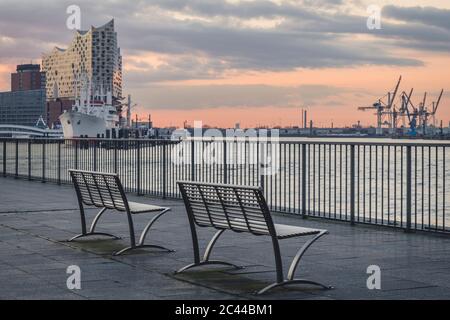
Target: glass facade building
<point x="22" y="107"/>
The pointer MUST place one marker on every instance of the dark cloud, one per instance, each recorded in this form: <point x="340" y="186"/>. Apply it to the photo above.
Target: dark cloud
<point x="425" y="15"/>
<point x="264" y="49"/>
<point x="245" y="9"/>
<point x="310" y="34"/>
<point x="214" y="96"/>
<point x="175" y="69"/>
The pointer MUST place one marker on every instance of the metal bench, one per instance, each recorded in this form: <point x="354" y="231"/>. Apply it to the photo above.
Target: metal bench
<point x="240" y="209"/>
<point x="105" y="191"/>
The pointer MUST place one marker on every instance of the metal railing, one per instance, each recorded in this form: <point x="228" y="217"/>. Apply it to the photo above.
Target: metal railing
<point x="403" y="184"/>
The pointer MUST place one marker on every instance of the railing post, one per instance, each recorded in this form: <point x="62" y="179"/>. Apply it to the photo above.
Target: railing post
<point x="192" y="160"/>
<point x="164" y="170"/>
<point x="95" y="154"/>
<point x="408" y="188"/>
<point x="304" y="181"/>
<point x="16" y="171"/>
<point x="29" y="160"/>
<point x="115" y="156"/>
<point x="225" y="165"/>
<point x="261" y="165"/>
<point x="352" y="184"/>
<point x="4" y="158"/>
<point x="138" y="168"/>
<point x="76" y="154"/>
<point x="59" y="163"/>
<point x="43" y="160"/>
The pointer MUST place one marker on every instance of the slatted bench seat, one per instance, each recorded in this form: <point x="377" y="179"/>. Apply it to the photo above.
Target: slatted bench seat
<point x="105" y="191"/>
<point x="242" y="210"/>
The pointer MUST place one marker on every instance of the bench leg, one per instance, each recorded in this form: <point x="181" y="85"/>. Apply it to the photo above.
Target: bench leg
<point x="300" y="254"/>
<point x="206" y="256"/>
<point x="141" y="244"/>
<point x="209" y="262"/>
<point x="291" y="274"/>
<point x="92" y="229"/>
<point x="291" y="282"/>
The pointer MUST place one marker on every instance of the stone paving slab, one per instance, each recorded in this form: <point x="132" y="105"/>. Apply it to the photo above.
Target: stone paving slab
<point x="37" y="218"/>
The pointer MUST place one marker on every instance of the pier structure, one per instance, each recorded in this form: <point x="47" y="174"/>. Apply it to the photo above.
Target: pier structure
<point x="400" y="184"/>
<point x="37" y="218"/>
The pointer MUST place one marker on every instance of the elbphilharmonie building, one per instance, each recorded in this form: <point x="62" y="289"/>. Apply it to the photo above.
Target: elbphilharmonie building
<point x="93" y="53"/>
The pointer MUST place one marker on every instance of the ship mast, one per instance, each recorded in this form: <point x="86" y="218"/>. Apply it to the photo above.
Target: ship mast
<point x="129" y="112"/>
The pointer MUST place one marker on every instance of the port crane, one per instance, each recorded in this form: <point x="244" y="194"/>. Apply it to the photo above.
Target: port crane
<point x="385" y="111"/>
<point x="129" y="105"/>
<point x="415" y="116"/>
<point x="432" y="114"/>
<point x="410" y="111"/>
<point x="419" y="116"/>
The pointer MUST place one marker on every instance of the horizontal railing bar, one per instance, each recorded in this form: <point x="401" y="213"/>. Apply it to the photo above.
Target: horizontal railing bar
<point x="299" y="141"/>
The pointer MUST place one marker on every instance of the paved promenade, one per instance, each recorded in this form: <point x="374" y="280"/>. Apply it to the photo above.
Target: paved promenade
<point x="36" y="218"/>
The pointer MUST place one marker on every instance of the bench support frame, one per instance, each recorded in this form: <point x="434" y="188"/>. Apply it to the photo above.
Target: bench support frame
<point x="206" y="257"/>
<point x="84" y="233"/>
<point x="141" y="244"/>
<point x="281" y="281"/>
<point x="271" y="231"/>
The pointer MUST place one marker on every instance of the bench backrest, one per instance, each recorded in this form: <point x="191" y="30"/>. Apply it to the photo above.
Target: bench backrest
<point x="238" y="208"/>
<point x="103" y="190"/>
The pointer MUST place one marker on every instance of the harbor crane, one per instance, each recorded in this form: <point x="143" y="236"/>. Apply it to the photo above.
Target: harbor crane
<point x="435" y="107"/>
<point x="417" y="117"/>
<point x="410" y="114"/>
<point x="386" y="115"/>
<point x="129" y="105"/>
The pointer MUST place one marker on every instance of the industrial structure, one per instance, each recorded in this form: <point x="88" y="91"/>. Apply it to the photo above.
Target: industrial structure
<point x="410" y="118"/>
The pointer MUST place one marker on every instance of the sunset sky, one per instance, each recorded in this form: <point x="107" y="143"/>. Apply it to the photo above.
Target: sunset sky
<point x="253" y="62"/>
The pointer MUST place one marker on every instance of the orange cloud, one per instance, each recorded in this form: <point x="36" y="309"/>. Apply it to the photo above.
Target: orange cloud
<point x="367" y="82"/>
<point x="5" y="77"/>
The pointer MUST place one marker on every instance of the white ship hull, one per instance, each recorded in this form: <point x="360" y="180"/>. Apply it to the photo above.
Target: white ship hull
<point x="81" y="125"/>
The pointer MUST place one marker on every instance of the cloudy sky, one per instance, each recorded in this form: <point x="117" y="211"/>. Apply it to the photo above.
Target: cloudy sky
<point x="254" y="62"/>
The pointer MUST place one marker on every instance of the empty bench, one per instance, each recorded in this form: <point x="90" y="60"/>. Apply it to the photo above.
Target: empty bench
<point x="242" y="210"/>
<point x="105" y="191"/>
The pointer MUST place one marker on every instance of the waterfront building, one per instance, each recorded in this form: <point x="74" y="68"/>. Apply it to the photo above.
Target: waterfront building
<point x="28" y="77"/>
<point x="93" y="53"/>
<point x="22" y="107"/>
<point x="26" y="102"/>
<point x="55" y="108"/>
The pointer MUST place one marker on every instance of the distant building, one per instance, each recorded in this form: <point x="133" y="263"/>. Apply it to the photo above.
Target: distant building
<point x="22" y="107"/>
<point x="28" y="77"/>
<point x="26" y="102"/>
<point x="55" y="108"/>
<point x="93" y="53"/>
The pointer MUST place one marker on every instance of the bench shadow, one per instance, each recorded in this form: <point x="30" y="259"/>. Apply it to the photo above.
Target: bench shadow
<point x="102" y="247"/>
<point x="244" y="282"/>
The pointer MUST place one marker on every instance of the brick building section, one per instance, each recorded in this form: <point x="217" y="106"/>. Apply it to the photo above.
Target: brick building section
<point x="28" y="77"/>
<point x="55" y="108"/>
